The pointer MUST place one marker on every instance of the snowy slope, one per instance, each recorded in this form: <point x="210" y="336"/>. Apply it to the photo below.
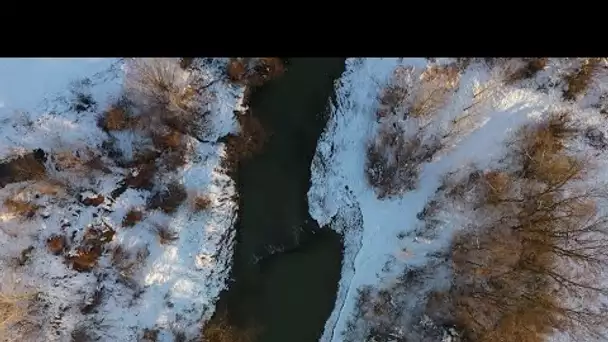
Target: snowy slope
<point x="340" y="193"/>
<point x="176" y="284"/>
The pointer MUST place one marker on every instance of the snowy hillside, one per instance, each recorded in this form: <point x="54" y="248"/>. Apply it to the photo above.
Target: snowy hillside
<point x="478" y="108"/>
<point x="112" y="228"/>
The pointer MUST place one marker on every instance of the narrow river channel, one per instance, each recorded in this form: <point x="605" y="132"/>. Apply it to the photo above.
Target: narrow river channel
<point x="286" y="269"/>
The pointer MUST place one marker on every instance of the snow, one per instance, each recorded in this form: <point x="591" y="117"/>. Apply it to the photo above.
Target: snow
<point x="340" y="194"/>
<point x="176" y="285"/>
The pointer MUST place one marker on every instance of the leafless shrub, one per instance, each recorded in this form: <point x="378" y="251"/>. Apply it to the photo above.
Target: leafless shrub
<point x="166" y="96"/>
<point x="393" y="160"/>
<point x="149" y="335"/>
<point x="389" y="313"/>
<point x="165" y="234"/>
<point x="169" y="199"/>
<point x="535" y="249"/>
<point x="128" y="263"/>
<point x="82" y="102"/>
<point x="201" y="203"/>
<point x="530" y="67"/>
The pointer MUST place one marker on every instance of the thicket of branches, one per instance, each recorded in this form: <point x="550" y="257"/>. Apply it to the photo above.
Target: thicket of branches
<point x="407" y="106"/>
<point x="528" y="262"/>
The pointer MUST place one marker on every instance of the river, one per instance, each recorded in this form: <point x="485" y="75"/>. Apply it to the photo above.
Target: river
<point x="285" y="269"/>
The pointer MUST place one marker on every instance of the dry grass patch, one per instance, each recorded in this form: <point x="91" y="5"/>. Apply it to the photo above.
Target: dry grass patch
<point x="578" y="81"/>
<point x="21" y="208"/>
<point x="14" y="309"/>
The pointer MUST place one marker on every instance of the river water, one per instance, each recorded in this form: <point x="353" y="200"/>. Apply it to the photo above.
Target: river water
<point x="285" y="268"/>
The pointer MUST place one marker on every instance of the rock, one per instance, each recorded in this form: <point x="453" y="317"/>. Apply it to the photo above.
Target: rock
<point x="92" y="200"/>
<point x="596" y="138"/>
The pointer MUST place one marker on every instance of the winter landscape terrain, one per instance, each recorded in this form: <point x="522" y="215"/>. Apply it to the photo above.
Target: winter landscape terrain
<point x="469" y="193"/>
<point x="421" y="160"/>
<point x="94" y="233"/>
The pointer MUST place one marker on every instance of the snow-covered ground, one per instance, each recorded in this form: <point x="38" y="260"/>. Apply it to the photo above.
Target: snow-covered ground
<point x="176" y="284"/>
<point x="340" y="193"/>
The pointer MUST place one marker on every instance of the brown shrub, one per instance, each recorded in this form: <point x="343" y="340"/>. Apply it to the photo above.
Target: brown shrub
<point x="436" y="86"/>
<point x="264" y="70"/>
<point x="143" y="177"/>
<point x="538" y="149"/>
<point x="132" y="217"/>
<point x="219" y="329"/>
<point x="85" y="257"/>
<point x="201" y="203"/>
<point x="247" y="143"/>
<point x="236" y="70"/>
<point x="170" y="140"/>
<point x="167" y="98"/>
<point x="56" y="244"/>
<point x="577" y="82"/>
<point x="169" y="199"/>
<point x="114" y="119"/>
<point x="512" y="268"/>
<point x="165" y="234"/>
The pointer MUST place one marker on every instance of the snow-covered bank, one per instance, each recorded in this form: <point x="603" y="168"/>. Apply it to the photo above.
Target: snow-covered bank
<point x="338" y="176"/>
<point x="171" y="286"/>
